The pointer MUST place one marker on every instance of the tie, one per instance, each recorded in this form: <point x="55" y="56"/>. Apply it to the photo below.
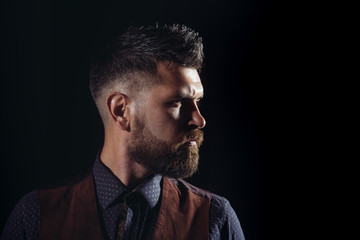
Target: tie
<point x="122" y="218"/>
<point x="129" y="196"/>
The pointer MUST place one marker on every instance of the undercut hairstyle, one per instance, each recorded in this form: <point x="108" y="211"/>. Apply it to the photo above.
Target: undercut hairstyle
<point x="130" y="61"/>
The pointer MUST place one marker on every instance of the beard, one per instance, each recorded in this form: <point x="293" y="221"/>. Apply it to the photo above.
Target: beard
<point x="178" y="160"/>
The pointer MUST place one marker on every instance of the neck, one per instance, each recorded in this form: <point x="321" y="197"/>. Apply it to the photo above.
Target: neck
<point x="114" y="156"/>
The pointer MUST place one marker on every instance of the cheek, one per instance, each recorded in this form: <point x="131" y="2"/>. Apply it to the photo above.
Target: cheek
<point x="164" y="124"/>
<point x="173" y="114"/>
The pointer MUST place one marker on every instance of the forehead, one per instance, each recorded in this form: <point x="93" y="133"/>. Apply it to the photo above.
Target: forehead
<point x="178" y="80"/>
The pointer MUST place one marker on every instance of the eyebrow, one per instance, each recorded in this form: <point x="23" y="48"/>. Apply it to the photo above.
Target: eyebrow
<point x="186" y="96"/>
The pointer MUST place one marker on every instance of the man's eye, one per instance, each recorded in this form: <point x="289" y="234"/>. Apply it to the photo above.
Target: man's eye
<point x="176" y="103"/>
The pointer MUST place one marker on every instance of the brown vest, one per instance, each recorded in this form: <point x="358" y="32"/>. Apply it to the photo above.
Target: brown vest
<point x="70" y="211"/>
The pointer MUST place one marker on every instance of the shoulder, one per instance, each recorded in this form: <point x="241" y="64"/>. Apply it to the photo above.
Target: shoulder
<point x="75" y="180"/>
<point x="64" y="191"/>
<point x="224" y="223"/>
<point x="23" y="222"/>
<point x="219" y="208"/>
<point x="28" y="205"/>
<point x="66" y="195"/>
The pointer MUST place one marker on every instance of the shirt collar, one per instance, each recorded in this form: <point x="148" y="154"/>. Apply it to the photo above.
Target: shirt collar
<point x="109" y="187"/>
<point x="150" y="190"/>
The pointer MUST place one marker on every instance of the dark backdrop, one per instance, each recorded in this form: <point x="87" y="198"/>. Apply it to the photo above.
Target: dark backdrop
<point x="50" y="128"/>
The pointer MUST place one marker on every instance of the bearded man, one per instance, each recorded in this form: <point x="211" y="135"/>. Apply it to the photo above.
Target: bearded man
<point x="146" y="87"/>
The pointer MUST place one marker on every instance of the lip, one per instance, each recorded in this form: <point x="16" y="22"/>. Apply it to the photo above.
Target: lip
<point x="192" y="143"/>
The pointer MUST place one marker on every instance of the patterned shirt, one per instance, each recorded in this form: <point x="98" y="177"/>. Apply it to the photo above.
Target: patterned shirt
<point x="143" y="207"/>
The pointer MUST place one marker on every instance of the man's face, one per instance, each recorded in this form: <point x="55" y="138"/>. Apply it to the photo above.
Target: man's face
<point x="166" y="130"/>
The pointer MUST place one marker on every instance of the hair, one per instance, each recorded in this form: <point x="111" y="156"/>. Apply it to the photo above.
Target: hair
<point x="130" y="61"/>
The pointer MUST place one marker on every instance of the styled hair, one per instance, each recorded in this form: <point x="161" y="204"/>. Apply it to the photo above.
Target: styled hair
<point x="130" y="61"/>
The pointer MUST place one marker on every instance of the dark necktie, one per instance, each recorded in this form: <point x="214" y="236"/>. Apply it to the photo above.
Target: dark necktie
<point x="122" y="218"/>
<point x="123" y="215"/>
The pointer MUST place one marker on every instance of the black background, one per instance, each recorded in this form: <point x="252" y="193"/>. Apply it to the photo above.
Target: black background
<point x="253" y="80"/>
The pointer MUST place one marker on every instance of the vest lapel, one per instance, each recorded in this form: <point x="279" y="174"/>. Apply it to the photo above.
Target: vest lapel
<point x="182" y="215"/>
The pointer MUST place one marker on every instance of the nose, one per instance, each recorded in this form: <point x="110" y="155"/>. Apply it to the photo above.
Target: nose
<point x="197" y="120"/>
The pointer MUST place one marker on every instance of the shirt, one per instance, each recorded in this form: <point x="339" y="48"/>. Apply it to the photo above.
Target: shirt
<point x="143" y="205"/>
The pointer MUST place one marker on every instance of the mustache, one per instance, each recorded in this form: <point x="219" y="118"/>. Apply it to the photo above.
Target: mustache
<point x="194" y="135"/>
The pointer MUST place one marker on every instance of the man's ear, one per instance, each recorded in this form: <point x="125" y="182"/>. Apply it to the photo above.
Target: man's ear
<point x="118" y="107"/>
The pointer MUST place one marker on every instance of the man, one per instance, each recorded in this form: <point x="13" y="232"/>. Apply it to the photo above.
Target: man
<point x="146" y="87"/>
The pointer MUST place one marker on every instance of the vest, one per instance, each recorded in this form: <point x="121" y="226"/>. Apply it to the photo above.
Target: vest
<point x="70" y="211"/>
